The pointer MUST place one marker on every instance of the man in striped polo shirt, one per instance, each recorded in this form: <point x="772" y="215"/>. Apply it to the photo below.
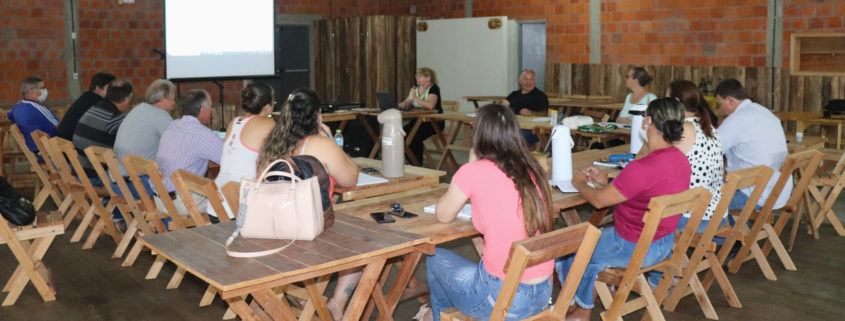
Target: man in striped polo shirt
<point x="98" y="126"/>
<point x="30" y="115"/>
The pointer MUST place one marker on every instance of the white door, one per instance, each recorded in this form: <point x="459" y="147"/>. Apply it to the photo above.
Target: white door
<point x="469" y="58"/>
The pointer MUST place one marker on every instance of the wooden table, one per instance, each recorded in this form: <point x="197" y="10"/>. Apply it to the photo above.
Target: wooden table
<point x="808" y="142"/>
<point x="475" y="99"/>
<point x="802" y="124"/>
<point x="415" y="177"/>
<point x="567" y="105"/>
<point x="343" y="116"/>
<point x="426" y="224"/>
<point x="351" y="242"/>
<point x="414" y="113"/>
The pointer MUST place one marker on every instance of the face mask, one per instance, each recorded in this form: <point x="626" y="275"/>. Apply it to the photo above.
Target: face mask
<point x="643" y="134"/>
<point x="43" y="95"/>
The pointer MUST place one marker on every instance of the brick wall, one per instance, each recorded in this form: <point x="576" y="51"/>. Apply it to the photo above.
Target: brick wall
<point x="684" y="32"/>
<point x="32" y="37"/>
<point x="810" y="16"/>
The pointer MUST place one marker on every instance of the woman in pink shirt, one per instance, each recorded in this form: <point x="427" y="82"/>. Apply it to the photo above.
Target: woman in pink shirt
<point x="510" y="202"/>
<point x="664" y="170"/>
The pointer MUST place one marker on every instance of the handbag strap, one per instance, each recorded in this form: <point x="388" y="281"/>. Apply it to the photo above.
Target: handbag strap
<point x="267" y="173"/>
<point x="252" y="254"/>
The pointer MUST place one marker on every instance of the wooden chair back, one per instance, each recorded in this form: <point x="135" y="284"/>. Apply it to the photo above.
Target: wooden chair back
<point x="694" y="201"/>
<point x="579" y="239"/>
<point x="804" y="168"/>
<point x="96" y="195"/>
<point x="137" y="166"/>
<point x="28" y="245"/>
<point x="187" y="184"/>
<point x="48" y="189"/>
<point x="74" y="201"/>
<point x="703" y="257"/>
<point x="231" y="191"/>
<point x="824" y="189"/>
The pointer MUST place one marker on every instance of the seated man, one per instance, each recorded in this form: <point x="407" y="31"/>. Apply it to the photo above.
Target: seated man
<point x="96" y="92"/>
<point x="751" y="135"/>
<point x="188" y="144"/>
<point x="143" y="126"/>
<point x="98" y="126"/>
<point x="528" y="101"/>
<point x="30" y="115"/>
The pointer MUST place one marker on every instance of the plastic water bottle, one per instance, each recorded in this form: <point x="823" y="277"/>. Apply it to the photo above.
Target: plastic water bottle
<point x="338" y="138"/>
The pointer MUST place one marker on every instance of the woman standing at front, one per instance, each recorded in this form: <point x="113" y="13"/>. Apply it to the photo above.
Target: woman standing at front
<point x="636" y="80"/>
<point x="426" y="95"/>
<point x="665" y="170"/>
<point x="510" y="202"/>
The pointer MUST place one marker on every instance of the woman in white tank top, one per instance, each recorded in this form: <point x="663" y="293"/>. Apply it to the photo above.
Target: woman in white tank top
<point x="245" y="136"/>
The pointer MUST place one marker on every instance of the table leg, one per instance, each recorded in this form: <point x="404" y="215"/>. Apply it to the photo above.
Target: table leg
<point x="598" y="216"/>
<point x="441" y="143"/>
<point x="242" y="309"/>
<point x="409" y="138"/>
<point x="478" y="243"/>
<point x="316" y="294"/>
<point x="277" y="308"/>
<point x="364" y="290"/>
<point x="376" y="139"/>
<point x="406" y="272"/>
<point x="570" y="217"/>
<point x="342" y="125"/>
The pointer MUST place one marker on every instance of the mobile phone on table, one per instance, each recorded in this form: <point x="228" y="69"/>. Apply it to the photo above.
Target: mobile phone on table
<point x="403" y="214"/>
<point x="369" y="170"/>
<point x="382" y="217"/>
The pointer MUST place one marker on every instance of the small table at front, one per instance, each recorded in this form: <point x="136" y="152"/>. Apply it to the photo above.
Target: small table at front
<point x="802" y="124"/>
<point x="349" y="243"/>
<point x="415" y="177"/>
<point x="475" y="99"/>
<point x="415" y="113"/>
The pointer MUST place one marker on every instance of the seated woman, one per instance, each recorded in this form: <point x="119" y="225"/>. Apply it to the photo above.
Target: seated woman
<point x="700" y="144"/>
<point x="244" y="137"/>
<point x="426" y="95"/>
<point x="511" y="201"/>
<point x="636" y="80"/>
<point x="300" y="131"/>
<point x="665" y="170"/>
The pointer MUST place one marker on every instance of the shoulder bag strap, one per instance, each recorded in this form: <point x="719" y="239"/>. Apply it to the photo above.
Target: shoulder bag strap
<point x="252" y="254"/>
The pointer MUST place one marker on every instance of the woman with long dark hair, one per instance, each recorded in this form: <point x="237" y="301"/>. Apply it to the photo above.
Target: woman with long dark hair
<point x="664" y="170"/>
<point x="510" y="202"/>
<point x="700" y="144"/>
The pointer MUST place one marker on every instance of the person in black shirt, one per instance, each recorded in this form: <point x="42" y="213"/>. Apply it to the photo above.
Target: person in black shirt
<point x="96" y="92"/>
<point x="426" y="95"/>
<point x="528" y="101"/>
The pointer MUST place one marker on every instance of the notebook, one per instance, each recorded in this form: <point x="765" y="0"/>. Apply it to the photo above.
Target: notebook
<point x="366" y="179"/>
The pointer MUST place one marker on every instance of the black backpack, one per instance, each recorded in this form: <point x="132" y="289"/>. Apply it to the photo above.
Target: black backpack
<point x="834" y="107"/>
<point x="14" y="207"/>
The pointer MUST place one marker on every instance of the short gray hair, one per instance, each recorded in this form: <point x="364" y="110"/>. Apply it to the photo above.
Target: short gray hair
<point x="30" y="82"/>
<point x="159" y="89"/>
<point x="194" y="101"/>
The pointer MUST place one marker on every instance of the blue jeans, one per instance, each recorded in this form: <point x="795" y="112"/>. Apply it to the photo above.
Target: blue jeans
<point x="454" y="281"/>
<point x="611" y="251"/>
<point x="529" y="136"/>
<point x="116" y="215"/>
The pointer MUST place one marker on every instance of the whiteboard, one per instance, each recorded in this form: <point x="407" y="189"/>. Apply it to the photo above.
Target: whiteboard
<point x="469" y="58"/>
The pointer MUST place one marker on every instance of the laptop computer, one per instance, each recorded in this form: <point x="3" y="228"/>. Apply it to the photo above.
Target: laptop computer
<point x="386" y="101"/>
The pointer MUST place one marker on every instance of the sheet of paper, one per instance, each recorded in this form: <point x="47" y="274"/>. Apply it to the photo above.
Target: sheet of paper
<point x="470" y="114"/>
<point x="567" y="187"/>
<point x="465" y="213"/>
<point x="541" y="120"/>
<point x="366" y="179"/>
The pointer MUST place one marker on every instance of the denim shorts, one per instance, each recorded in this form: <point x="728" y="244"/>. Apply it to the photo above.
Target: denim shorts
<point x="611" y="251"/>
<point x="454" y="281"/>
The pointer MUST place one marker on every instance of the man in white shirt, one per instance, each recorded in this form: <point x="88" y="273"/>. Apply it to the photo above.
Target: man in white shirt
<point x="751" y="135"/>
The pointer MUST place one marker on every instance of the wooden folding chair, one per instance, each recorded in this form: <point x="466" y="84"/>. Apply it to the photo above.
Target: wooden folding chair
<point x="762" y="229"/>
<point x="580" y="239"/>
<point x="74" y="188"/>
<point x="47" y="188"/>
<point x="106" y="165"/>
<point x="29" y="255"/>
<point x="803" y="166"/>
<point x="135" y="167"/>
<point x="704" y="257"/>
<point x="96" y="195"/>
<point x="73" y="203"/>
<point x="825" y="189"/>
<point x="632" y="278"/>
<point x="448" y="105"/>
<point x="187" y="184"/>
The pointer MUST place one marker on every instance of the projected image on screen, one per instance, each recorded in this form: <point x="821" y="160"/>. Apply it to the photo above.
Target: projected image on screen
<point x="218" y="38"/>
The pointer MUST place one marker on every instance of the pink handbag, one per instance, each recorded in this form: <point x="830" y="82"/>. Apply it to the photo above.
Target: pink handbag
<point x="283" y="209"/>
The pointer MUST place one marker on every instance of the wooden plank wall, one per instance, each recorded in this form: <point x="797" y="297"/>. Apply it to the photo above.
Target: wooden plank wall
<point x="783" y="92"/>
<point x="355" y="57"/>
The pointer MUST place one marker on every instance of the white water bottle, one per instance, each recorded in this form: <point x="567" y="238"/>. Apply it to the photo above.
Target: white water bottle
<point x="637" y="111"/>
<point x="562" y="144"/>
<point x="338" y="138"/>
